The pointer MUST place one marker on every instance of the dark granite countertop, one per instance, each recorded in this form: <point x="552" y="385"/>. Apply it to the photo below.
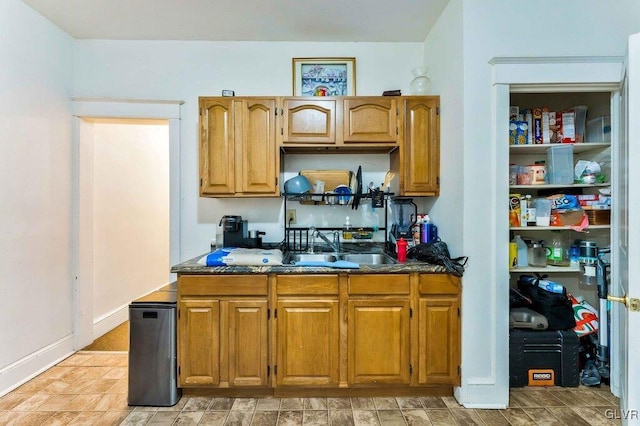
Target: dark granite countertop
<point x="193" y="267"/>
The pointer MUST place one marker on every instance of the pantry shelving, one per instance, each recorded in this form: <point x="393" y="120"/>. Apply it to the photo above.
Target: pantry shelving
<point x="599" y="104"/>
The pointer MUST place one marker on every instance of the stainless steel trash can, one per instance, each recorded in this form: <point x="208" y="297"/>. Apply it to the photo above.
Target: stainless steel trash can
<point x="152" y="350"/>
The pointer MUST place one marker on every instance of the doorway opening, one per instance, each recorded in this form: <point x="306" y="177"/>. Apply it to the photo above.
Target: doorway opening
<point x="130" y="214"/>
<point x="127" y="207"/>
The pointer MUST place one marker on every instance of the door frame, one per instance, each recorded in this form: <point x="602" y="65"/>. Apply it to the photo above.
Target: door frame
<point x="531" y="74"/>
<point x="82" y="187"/>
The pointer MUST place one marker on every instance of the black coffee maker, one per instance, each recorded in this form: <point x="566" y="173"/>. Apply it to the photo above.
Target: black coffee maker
<point x="235" y="233"/>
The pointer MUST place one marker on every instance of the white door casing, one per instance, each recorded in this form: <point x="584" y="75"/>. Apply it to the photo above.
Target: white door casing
<point x="82" y="221"/>
<point x="533" y="75"/>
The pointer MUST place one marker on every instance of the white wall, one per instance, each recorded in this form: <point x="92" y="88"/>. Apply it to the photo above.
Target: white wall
<point x="186" y="70"/>
<point x="510" y="28"/>
<point x="35" y="195"/>
<point x="443" y="56"/>
<point x="131" y="213"/>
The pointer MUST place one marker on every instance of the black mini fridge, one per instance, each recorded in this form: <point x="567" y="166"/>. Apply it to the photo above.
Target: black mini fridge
<point x="152" y="350"/>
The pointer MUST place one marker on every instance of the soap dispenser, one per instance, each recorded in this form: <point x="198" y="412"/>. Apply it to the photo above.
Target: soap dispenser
<point x="347" y="231"/>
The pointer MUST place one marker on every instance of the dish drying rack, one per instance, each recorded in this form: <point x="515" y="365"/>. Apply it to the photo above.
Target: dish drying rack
<point x="298" y="238"/>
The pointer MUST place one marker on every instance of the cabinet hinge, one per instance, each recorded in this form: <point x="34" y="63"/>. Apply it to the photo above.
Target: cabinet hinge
<point x="275" y="370"/>
<point x="459" y="371"/>
<point x="179" y="371"/>
<point x="397" y="131"/>
<point x="437" y="110"/>
<point x="281" y="131"/>
<point x="397" y="111"/>
<point x="410" y="369"/>
<point x="438" y="180"/>
<point x="268" y="316"/>
<point x="200" y="111"/>
<point x="200" y="182"/>
<point x="410" y="312"/>
<point x="275" y="313"/>
<point x="268" y="370"/>
<point x="276" y="111"/>
<point x="276" y="180"/>
<point x="178" y="313"/>
<point x="458" y="311"/>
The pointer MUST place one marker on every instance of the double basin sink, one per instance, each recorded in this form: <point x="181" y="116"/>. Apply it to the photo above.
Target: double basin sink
<point x="359" y="258"/>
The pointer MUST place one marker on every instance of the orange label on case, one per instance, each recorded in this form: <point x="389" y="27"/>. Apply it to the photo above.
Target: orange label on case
<point x="541" y="378"/>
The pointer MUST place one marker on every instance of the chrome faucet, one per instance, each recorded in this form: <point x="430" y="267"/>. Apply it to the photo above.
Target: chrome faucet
<point x="335" y="244"/>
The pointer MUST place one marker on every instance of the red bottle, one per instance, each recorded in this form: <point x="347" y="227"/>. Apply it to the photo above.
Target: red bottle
<point x="402" y="250"/>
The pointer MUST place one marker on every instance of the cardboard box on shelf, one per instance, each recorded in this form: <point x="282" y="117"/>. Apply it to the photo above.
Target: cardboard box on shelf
<point x="537" y="126"/>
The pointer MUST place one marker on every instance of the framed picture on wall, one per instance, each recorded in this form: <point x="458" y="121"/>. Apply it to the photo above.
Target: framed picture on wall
<point x="324" y="76"/>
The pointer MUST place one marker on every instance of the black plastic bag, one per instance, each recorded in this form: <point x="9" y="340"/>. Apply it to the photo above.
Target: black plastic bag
<point x="437" y="253"/>
<point x="556" y="307"/>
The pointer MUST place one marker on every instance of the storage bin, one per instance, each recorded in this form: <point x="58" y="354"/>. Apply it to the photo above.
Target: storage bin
<point x="543" y="354"/>
<point x="599" y="129"/>
<point x="560" y="165"/>
<point x="581" y="120"/>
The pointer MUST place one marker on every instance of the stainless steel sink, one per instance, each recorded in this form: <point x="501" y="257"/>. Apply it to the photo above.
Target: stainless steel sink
<point x="311" y="257"/>
<point x="359" y="258"/>
<point x="368" y="258"/>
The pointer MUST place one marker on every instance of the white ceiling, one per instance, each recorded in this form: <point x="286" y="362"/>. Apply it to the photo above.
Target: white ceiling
<point x="244" y="20"/>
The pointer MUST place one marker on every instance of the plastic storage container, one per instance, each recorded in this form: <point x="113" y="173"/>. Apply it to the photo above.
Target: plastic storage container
<point x="581" y="120"/>
<point x="538" y="355"/>
<point x="599" y="129"/>
<point x="560" y="165"/>
<point x="524" y="317"/>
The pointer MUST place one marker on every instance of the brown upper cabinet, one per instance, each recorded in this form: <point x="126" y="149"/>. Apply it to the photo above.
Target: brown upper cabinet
<point x="238" y="151"/>
<point x="339" y="122"/>
<point x="309" y="121"/>
<point x="370" y="120"/>
<point x="242" y="139"/>
<point x="418" y="159"/>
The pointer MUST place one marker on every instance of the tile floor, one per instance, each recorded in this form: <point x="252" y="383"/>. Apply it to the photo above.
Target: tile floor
<point x="90" y="388"/>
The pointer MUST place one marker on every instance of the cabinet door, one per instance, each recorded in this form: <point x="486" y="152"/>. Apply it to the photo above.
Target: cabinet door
<point x="248" y="343"/>
<point x="370" y="120"/>
<point x="199" y="343"/>
<point x="439" y="341"/>
<point x="255" y="142"/>
<point x="308" y="341"/>
<point x="217" y="153"/>
<point x="309" y="121"/>
<point x="378" y="341"/>
<point x="421" y="146"/>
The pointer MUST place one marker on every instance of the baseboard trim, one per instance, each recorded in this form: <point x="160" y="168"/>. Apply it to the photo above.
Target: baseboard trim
<point x="21" y="371"/>
<point x="108" y="322"/>
<point x="485" y="396"/>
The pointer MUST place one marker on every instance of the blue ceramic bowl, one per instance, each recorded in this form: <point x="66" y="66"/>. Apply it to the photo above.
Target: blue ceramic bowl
<point x="297" y="185"/>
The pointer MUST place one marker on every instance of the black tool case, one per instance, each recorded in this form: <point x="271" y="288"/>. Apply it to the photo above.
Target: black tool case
<point x="544" y="350"/>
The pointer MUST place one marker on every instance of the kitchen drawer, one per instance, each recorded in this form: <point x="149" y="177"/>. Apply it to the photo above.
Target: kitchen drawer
<point x="306" y="285"/>
<point x="438" y="284"/>
<point x="222" y="285"/>
<point x="379" y="284"/>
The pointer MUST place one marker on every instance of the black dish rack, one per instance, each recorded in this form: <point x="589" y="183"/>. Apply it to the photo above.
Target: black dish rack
<point x="297" y="239"/>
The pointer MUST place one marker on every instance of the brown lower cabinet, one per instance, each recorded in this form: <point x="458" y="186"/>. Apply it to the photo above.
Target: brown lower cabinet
<point x="222" y="331"/>
<point x="379" y="329"/>
<point x="438" y="330"/>
<point x="307" y="330"/>
<point x="358" y="331"/>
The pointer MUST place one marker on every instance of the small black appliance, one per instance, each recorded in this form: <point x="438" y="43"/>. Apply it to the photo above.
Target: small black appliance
<point x="236" y="233"/>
